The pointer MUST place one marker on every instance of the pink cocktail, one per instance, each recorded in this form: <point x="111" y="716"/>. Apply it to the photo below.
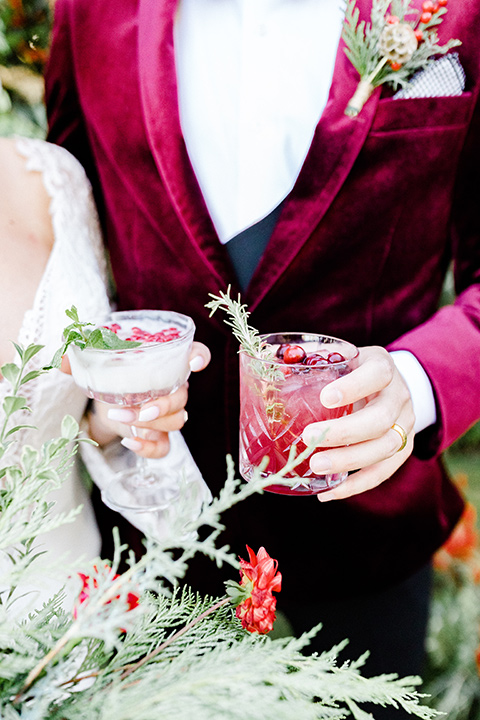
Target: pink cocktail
<point x="280" y="395"/>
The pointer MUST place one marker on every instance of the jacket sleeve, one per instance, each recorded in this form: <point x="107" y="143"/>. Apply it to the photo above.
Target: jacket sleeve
<point x="448" y="344"/>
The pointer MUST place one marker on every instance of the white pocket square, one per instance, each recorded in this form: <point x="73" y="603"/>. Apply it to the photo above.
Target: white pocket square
<point x="444" y="77"/>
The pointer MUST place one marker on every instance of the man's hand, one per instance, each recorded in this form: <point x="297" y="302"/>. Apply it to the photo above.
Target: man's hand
<point x="366" y="440"/>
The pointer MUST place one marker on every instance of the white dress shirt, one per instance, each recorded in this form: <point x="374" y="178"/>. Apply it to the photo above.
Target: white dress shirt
<point x="253" y="80"/>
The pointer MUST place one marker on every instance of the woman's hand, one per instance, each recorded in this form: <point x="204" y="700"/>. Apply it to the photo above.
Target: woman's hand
<point x="154" y="419"/>
<point x="366" y="440"/>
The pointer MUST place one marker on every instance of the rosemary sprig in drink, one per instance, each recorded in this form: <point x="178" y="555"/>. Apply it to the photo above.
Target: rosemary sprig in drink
<point x="249" y="338"/>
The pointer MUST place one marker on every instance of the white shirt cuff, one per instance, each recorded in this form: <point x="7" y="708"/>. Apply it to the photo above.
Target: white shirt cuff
<point x="420" y="387"/>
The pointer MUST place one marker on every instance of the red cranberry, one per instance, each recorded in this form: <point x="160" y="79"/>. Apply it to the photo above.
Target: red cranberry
<point x="335" y="357"/>
<point x="293" y="354"/>
<point x="315" y="359"/>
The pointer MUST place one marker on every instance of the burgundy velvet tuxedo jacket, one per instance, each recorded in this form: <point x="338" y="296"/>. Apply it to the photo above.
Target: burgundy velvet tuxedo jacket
<point x="383" y="204"/>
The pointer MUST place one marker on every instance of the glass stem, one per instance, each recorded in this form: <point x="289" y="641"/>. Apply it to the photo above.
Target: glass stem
<point x="142" y="466"/>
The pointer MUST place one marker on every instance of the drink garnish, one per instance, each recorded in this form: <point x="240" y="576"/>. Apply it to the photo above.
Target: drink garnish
<point x="248" y="336"/>
<point x="87" y="335"/>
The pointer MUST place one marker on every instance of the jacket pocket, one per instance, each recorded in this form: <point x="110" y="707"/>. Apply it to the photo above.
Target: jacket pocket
<point x="422" y="113"/>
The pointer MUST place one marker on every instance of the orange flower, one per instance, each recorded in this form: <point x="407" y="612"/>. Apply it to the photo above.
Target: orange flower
<point x="462" y="542"/>
<point x="253" y="597"/>
<point x="477" y="658"/>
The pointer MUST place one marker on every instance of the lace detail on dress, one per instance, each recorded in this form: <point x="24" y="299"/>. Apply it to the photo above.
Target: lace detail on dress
<point x="76" y="230"/>
<point x="75" y="275"/>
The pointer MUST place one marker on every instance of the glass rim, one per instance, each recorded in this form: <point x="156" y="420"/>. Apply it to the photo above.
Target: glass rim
<point x="314" y="338"/>
<point x="188" y="332"/>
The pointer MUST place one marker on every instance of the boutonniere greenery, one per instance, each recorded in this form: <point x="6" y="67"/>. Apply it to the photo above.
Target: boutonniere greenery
<point x="398" y="41"/>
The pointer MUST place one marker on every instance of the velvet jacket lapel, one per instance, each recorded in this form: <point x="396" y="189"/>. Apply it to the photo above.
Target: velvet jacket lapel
<point x="338" y="140"/>
<point x="336" y="144"/>
<point x="158" y="88"/>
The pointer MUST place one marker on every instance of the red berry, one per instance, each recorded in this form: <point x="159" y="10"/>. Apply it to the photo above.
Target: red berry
<point x="443" y="3"/>
<point x="293" y="354"/>
<point x="395" y="66"/>
<point x="335" y="357"/>
<point x="425" y="17"/>
<point x="419" y="35"/>
<point x="428" y="6"/>
<point x="315" y="359"/>
<point x="436" y="7"/>
<point x="392" y="19"/>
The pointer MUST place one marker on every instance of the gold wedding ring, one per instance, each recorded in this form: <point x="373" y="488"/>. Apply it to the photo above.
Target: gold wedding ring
<point x="402" y="433"/>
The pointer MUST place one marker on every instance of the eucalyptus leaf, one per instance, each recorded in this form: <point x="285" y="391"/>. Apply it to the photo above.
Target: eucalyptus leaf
<point x="13" y="475"/>
<point x="13" y="403"/>
<point x="53" y="447"/>
<point x="31" y="351"/>
<point x="29" y="458"/>
<point x="31" y="376"/>
<point x="10" y="372"/>
<point x="69" y="428"/>
<point x="48" y="475"/>
<point x="19" y="350"/>
<point x="20" y="427"/>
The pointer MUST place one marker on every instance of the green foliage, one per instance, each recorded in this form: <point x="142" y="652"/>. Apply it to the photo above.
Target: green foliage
<point x="452" y="676"/>
<point x="24" y="40"/>
<point x="25" y="33"/>
<point x="174" y="655"/>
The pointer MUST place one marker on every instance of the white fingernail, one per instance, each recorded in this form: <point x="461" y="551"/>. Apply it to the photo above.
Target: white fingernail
<point x="131" y="444"/>
<point x="185" y="416"/>
<point x="331" y="397"/>
<point x="121" y="414"/>
<point x="320" y="464"/>
<point x="150" y="413"/>
<point x="328" y="496"/>
<point x="196" y="363"/>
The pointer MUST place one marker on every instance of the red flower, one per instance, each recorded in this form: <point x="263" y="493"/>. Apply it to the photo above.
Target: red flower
<point x="91" y="582"/>
<point x="255" y="602"/>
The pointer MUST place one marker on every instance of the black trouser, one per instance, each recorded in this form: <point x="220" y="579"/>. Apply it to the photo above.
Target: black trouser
<point x="391" y="625"/>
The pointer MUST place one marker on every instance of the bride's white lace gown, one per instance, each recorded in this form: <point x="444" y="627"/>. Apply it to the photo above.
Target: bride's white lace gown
<point x="75" y="275"/>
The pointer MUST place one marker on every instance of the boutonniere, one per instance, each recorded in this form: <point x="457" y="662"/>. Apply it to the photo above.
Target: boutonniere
<point x="398" y="41"/>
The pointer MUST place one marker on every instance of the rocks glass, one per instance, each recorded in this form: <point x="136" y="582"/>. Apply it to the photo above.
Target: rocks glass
<point x="280" y="396"/>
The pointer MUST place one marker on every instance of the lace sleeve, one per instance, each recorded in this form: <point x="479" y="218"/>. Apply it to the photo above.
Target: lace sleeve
<point x="76" y="272"/>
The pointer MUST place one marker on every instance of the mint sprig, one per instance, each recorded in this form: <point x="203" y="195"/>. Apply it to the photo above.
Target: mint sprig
<point x="87" y="335"/>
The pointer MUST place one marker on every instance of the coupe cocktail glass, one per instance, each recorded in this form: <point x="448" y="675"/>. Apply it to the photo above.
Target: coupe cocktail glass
<point x="132" y="377"/>
<point x="279" y="399"/>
